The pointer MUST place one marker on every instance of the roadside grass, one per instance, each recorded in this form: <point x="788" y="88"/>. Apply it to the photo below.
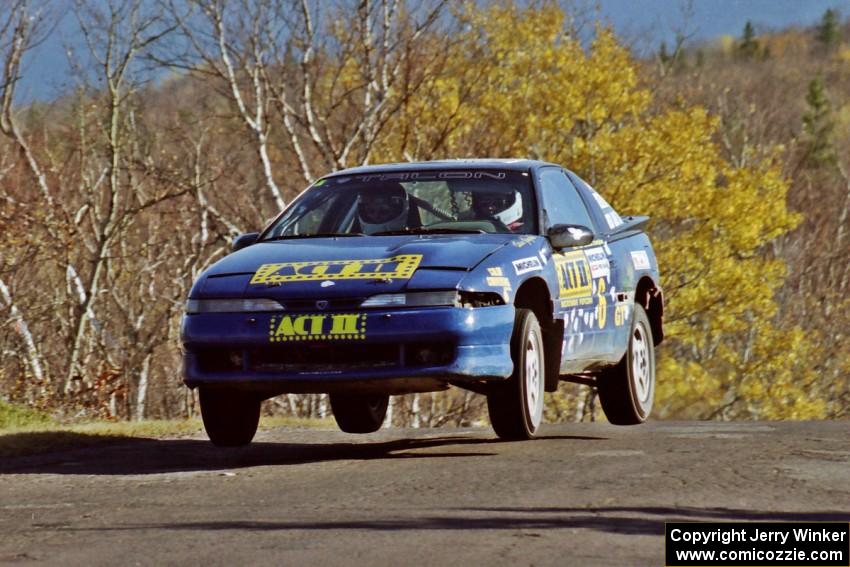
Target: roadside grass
<point x="12" y="416"/>
<point x="27" y="432"/>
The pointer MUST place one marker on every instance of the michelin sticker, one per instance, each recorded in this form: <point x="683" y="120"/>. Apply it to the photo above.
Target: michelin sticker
<point x="525" y="265"/>
<point x="398" y="267"/>
<point x="640" y="260"/>
<point x="598" y="261"/>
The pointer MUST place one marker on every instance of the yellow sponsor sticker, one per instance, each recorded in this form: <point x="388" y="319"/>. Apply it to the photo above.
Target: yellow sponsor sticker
<point x="574" y="277"/>
<point x="499" y="281"/>
<point x="317" y="327"/>
<point x="577" y="302"/>
<point x="494" y="271"/>
<point x="398" y="267"/>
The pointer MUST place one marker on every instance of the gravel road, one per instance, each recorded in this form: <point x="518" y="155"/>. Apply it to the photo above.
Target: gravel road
<point x="582" y="494"/>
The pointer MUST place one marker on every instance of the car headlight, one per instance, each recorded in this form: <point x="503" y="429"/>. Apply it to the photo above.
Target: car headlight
<point x="232" y="305"/>
<point x="413" y="299"/>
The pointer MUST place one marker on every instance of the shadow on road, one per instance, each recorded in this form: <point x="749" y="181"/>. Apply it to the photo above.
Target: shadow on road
<point x="673" y="514"/>
<point x="156" y="456"/>
<point x="627" y="520"/>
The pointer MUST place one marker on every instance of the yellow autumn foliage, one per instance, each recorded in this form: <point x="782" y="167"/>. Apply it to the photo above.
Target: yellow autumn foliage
<point x="518" y="85"/>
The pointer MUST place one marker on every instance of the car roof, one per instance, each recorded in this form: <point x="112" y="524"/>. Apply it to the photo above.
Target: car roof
<point x="485" y="163"/>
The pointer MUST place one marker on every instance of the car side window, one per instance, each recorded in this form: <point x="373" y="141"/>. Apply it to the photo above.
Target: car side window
<point x="561" y="201"/>
<point x="610" y="219"/>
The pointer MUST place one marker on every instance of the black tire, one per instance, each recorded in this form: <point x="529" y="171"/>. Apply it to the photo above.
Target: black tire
<point x="626" y="390"/>
<point x="516" y="406"/>
<point x="230" y="417"/>
<point x="359" y="414"/>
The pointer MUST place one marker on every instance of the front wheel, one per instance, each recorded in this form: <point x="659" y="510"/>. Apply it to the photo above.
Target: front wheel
<point x="516" y="407"/>
<point x="627" y="389"/>
<point x="359" y="414"/>
<point x="230" y="417"/>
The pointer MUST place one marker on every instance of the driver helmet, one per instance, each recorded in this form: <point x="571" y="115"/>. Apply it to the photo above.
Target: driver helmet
<point x="506" y="207"/>
<point x="383" y="208"/>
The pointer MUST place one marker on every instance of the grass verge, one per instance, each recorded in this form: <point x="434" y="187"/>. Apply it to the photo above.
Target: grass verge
<point x="24" y="432"/>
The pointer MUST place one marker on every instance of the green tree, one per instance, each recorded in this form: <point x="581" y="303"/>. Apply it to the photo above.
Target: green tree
<point x="818" y="125"/>
<point x="828" y="31"/>
<point x="748" y="47"/>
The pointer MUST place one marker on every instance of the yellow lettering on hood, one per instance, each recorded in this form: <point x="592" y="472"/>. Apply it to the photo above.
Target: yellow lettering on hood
<point x="398" y="267"/>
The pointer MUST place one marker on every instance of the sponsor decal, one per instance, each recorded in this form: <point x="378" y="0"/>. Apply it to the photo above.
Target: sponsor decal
<point x="398" y="267"/>
<point x="599" y="265"/>
<point x="494" y="271"/>
<point x="577" y="302"/>
<point x="640" y="260"/>
<point x="502" y="282"/>
<point x="430" y="175"/>
<point x="524" y="240"/>
<point x="575" y="281"/>
<point x="525" y="265"/>
<point x="603" y="204"/>
<point x="317" y="327"/>
<point x="613" y="219"/>
<point x="499" y="281"/>
<point x="621" y="315"/>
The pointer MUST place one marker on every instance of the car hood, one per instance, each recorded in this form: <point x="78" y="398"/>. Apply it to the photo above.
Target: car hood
<point x="345" y="267"/>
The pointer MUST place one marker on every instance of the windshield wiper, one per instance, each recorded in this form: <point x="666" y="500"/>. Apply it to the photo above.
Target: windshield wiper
<point x="313" y="235"/>
<point x="426" y="230"/>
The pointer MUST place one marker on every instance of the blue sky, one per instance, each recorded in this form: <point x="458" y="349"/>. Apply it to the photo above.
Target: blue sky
<point x="644" y="23"/>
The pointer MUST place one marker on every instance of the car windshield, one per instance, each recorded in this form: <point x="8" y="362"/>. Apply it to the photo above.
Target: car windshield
<point x="416" y="202"/>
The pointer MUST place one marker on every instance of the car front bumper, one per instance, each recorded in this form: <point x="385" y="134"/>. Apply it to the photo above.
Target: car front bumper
<point x="393" y="350"/>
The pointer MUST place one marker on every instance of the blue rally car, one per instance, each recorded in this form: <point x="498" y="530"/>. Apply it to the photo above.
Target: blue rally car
<point x="498" y="276"/>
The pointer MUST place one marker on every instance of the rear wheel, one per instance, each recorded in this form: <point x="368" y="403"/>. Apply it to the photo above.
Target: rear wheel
<point x="359" y="414"/>
<point x="626" y="391"/>
<point x="516" y="407"/>
<point x="230" y="417"/>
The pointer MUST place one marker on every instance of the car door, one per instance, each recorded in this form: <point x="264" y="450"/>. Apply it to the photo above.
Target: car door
<point x="583" y="273"/>
<point x="620" y="281"/>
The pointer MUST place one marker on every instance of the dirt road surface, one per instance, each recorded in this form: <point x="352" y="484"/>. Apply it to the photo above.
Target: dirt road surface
<point x="583" y="494"/>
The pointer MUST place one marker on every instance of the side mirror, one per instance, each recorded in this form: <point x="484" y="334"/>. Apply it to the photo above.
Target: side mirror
<point x="244" y="240"/>
<point x="569" y="236"/>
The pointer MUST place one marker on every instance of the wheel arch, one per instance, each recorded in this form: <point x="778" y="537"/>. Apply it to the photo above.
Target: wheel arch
<point x="650" y="295"/>
<point x="534" y="294"/>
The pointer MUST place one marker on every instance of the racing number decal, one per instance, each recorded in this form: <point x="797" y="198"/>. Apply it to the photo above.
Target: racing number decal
<point x="317" y="327"/>
<point x="575" y="283"/>
<point x="398" y="267"/>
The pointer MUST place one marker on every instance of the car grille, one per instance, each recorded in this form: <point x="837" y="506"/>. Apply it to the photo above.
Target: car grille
<point x="318" y="358"/>
<point x="340" y="304"/>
